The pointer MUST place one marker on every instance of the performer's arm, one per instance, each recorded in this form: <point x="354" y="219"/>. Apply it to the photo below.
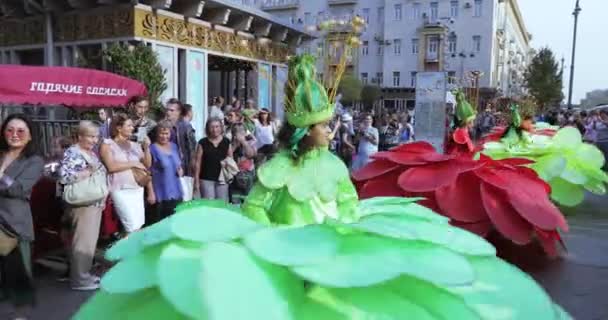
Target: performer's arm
<point x="257" y="203"/>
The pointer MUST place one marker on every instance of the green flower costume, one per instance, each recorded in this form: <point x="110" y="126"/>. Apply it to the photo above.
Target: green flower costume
<point x="568" y="164"/>
<point x="304" y="248"/>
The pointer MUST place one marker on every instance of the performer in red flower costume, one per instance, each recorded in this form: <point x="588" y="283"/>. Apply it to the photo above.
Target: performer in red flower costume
<point x="477" y="194"/>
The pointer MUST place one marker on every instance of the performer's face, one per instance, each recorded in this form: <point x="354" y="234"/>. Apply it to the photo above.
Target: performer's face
<point x="527" y="125"/>
<point x="319" y="133"/>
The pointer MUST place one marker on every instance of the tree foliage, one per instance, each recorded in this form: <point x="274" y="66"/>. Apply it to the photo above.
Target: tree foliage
<point x="139" y="62"/>
<point x="369" y="95"/>
<point x="544" y="79"/>
<point x="350" y="87"/>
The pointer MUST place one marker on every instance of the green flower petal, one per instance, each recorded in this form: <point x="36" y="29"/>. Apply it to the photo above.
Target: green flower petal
<point x="237" y="286"/>
<point x="550" y="166"/>
<point x="503" y="292"/>
<point x="290" y="246"/>
<point x="438" y="301"/>
<point x="441" y="234"/>
<point x="147" y="304"/>
<point x="371" y="303"/>
<point x="566" y="193"/>
<point x="135" y="273"/>
<point x="179" y="278"/>
<point x="365" y="260"/>
<point x="567" y="137"/>
<point x="590" y="155"/>
<point x="411" y="210"/>
<point x="211" y="225"/>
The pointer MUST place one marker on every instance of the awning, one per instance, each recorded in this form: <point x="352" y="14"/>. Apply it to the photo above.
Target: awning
<point x="73" y="87"/>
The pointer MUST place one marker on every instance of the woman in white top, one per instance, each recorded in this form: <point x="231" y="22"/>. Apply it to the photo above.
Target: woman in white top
<point x="265" y="133"/>
<point x="368" y="143"/>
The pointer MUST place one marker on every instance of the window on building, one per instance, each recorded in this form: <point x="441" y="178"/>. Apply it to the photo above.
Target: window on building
<point x="478" y="8"/>
<point x="307" y="18"/>
<point x="452" y="43"/>
<point x="320" y="77"/>
<point x="397" y="47"/>
<point x="292" y="19"/>
<point x="380" y="78"/>
<point x="320" y="51"/>
<point x="432" y="48"/>
<point x="380" y="49"/>
<point x="398" y="13"/>
<point x="380" y="13"/>
<point x="452" y="77"/>
<point x="365" y="14"/>
<point x="415" y="46"/>
<point x="477" y="43"/>
<point x="454" y="5"/>
<point x="396" y="78"/>
<point x="434" y="11"/>
<point x="365" y="48"/>
<point x="364" y="78"/>
<point x="416" y="11"/>
<point x="413" y="79"/>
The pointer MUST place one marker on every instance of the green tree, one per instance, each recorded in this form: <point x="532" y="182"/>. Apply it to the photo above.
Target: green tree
<point x="350" y="87"/>
<point x="139" y="62"/>
<point x="544" y="79"/>
<point x="369" y="95"/>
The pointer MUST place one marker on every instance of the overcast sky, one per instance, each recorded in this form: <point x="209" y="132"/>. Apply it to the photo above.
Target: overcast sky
<point x="551" y="24"/>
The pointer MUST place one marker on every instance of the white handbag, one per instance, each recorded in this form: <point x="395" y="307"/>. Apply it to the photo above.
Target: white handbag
<point x="130" y="209"/>
<point x="187" y="184"/>
<point x="87" y="191"/>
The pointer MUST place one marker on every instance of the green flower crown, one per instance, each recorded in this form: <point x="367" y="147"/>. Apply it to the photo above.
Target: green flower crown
<point x="464" y="110"/>
<point x="307" y="100"/>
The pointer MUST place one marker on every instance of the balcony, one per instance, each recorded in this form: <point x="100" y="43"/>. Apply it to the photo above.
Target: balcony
<point x="341" y="2"/>
<point x="276" y="5"/>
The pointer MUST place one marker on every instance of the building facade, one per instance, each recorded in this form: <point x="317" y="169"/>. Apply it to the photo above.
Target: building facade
<point x="208" y="48"/>
<point x="404" y="37"/>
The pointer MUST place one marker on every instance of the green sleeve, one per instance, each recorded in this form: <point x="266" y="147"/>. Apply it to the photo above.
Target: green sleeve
<point x="347" y="200"/>
<point x="257" y="203"/>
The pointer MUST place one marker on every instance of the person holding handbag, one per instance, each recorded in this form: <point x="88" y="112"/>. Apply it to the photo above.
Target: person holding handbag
<point x="85" y="190"/>
<point x="20" y="169"/>
<point x="127" y="163"/>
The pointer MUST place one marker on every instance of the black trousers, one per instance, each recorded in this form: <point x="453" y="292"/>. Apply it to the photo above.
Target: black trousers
<point x="161" y="210"/>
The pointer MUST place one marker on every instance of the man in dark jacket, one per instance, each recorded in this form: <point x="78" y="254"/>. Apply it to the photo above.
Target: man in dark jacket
<point x="182" y="134"/>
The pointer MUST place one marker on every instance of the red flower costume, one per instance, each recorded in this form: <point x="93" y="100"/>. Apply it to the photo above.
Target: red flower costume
<point x="477" y="195"/>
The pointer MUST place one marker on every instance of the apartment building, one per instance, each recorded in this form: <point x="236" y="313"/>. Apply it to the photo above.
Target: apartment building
<point x="404" y="37"/>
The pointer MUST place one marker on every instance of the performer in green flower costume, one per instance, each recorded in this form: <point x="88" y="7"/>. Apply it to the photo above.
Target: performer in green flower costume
<point x="304" y="248"/>
<point x="568" y="164"/>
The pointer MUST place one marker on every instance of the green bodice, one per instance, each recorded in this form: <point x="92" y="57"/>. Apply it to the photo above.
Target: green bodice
<point x="305" y="192"/>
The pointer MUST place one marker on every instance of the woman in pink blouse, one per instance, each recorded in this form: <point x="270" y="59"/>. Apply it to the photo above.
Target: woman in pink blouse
<point x="121" y="156"/>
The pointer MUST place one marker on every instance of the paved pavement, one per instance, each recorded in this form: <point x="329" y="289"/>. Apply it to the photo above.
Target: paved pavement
<point x="578" y="281"/>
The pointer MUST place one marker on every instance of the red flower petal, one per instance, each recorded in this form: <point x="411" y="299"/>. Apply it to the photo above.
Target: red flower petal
<point x="381" y="155"/>
<point x="374" y="169"/>
<point x="406" y="158"/>
<point x="429" y="177"/>
<point x="461" y="136"/>
<point x="506" y="220"/>
<point x="516" y="162"/>
<point x="460" y="200"/>
<point x="481" y="228"/>
<point x="415" y="147"/>
<point x="492" y="176"/>
<point x="384" y="186"/>
<point x="549" y="240"/>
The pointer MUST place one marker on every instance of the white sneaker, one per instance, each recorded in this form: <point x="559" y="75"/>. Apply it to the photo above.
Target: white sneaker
<point x="86" y="287"/>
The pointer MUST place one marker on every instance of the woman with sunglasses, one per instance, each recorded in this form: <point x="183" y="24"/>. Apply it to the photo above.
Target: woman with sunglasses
<point x="20" y="169"/>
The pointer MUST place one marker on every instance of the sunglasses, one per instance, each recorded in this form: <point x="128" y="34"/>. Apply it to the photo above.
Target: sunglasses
<point x="20" y="133"/>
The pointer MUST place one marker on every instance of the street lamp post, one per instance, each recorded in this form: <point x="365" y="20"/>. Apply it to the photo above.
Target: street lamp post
<point x="577" y="10"/>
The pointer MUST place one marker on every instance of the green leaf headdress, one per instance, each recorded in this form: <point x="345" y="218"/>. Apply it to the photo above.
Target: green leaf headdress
<point x="515" y="116"/>
<point x="464" y="110"/>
